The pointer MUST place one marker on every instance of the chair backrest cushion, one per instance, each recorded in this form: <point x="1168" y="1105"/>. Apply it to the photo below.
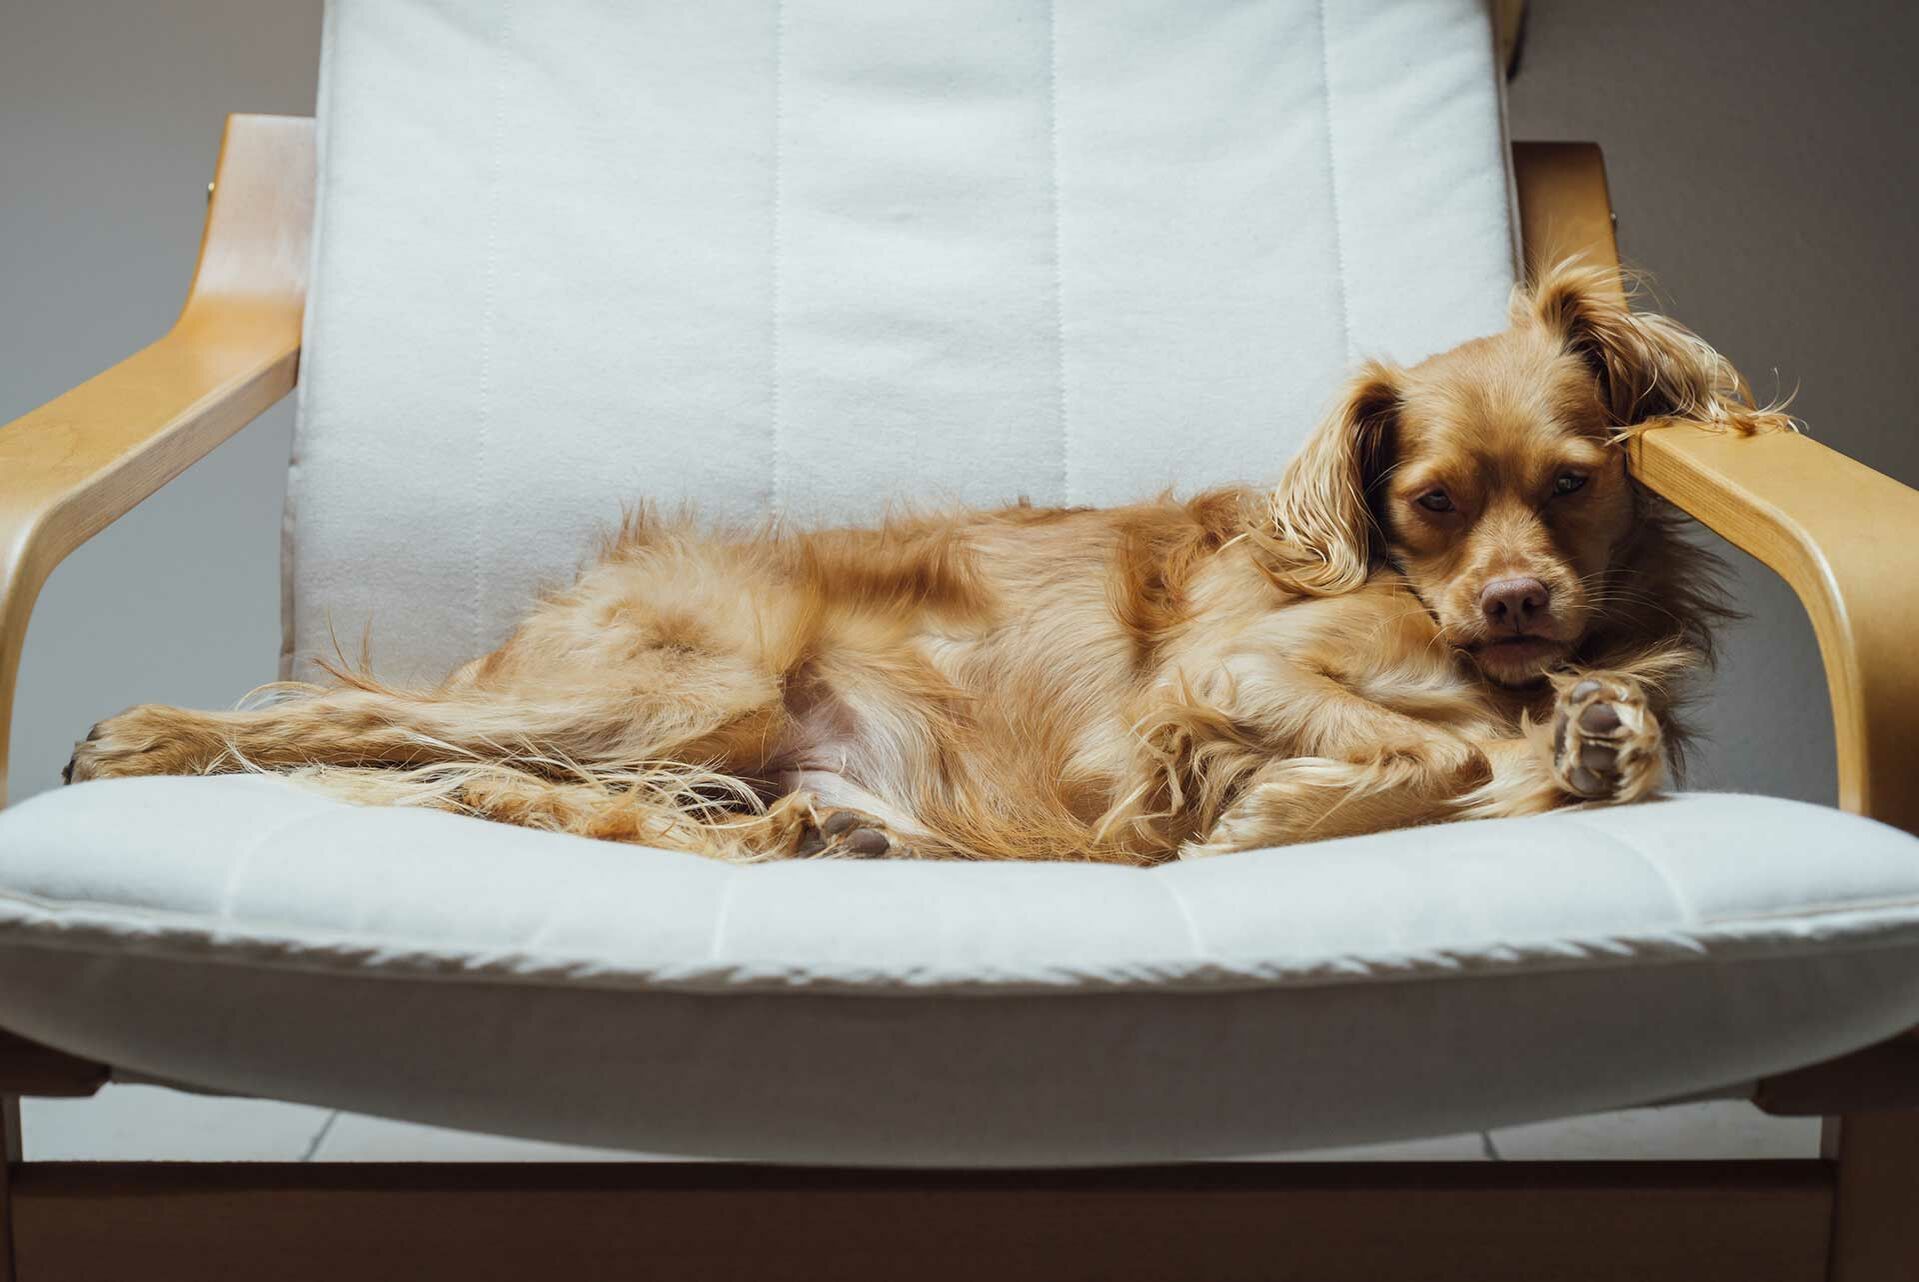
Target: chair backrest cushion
<point x="811" y="256"/>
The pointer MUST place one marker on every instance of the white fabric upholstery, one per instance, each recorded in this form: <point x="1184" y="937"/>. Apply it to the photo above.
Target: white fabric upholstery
<point x="239" y="934"/>
<point x="808" y="256"/>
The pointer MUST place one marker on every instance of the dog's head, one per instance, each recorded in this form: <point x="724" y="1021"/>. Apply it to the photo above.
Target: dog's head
<point x="1492" y="478"/>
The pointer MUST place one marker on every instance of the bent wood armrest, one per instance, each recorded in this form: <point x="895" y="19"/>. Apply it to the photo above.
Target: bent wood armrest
<point x="75" y="465"/>
<point x="1844" y="537"/>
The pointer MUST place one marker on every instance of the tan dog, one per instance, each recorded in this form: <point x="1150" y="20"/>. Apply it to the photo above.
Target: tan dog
<point x="1456" y="604"/>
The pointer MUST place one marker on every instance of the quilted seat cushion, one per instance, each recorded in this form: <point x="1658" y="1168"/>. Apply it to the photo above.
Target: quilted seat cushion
<point x="810" y="256"/>
<point x="238" y="934"/>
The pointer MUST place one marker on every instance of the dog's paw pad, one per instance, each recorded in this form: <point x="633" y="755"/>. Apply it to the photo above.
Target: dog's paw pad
<point x="867" y="843"/>
<point x="1606" y="744"/>
<point x="848" y="834"/>
<point x="1600" y="718"/>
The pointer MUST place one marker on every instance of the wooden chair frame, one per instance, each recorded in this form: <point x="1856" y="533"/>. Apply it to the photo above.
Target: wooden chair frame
<point x="1845" y="538"/>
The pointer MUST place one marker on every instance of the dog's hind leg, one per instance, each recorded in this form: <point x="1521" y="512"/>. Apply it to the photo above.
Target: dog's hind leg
<point x="638" y="664"/>
<point x="551" y="727"/>
<point x="647" y="809"/>
<point x="642" y="812"/>
<point x="711" y="708"/>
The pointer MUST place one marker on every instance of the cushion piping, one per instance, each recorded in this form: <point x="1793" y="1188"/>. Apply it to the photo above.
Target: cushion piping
<point x="84" y="927"/>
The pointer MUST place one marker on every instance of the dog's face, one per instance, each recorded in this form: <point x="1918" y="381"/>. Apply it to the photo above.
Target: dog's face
<point x="1504" y="499"/>
<point x="1491" y="476"/>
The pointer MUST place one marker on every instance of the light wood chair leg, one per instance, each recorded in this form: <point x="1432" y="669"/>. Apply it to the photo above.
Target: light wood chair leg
<point x="9" y="1155"/>
<point x="1875" y="1229"/>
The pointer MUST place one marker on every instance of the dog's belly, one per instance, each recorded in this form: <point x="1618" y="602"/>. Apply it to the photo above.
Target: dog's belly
<point x="823" y="736"/>
<point x="872" y="741"/>
<point x="867" y="739"/>
<point x="841" y="758"/>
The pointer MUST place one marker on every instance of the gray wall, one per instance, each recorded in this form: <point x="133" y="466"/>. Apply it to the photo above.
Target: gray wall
<point x="1762" y="159"/>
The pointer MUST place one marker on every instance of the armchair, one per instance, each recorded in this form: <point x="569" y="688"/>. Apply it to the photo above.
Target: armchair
<point x="1844" y="537"/>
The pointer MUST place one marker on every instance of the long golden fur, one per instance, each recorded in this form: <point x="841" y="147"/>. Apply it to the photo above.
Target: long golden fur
<point x="1456" y="603"/>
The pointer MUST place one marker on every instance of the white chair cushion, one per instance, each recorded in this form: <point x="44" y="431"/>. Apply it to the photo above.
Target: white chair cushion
<point x="808" y="256"/>
<point x="237" y="934"/>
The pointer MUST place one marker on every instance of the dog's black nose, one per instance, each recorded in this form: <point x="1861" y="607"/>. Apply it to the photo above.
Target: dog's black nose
<point x="1513" y="603"/>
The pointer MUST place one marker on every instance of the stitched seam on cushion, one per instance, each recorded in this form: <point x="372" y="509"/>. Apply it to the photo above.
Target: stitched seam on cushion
<point x="1332" y="187"/>
<point x="1600" y="953"/>
<point x="723" y="914"/>
<point x="1828" y="909"/>
<point x="1185" y="914"/>
<point x="1680" y="898"/>
<point x="310" y="326"/>
<point x="1059" y="253"/>
<point x="1515" y="246"/>
<point x="245" y="861"/>
<point x="489" y="306"/>
<point x="776" y="427"/>
<point x="763" y="979"/>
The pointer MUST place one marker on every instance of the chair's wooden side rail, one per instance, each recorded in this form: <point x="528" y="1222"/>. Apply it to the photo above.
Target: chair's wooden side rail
<point x="1844" y="537"/>
<point x="73" y="466"/>
<point x="28" y="1068"/>
<point x="1363" y="1222"/>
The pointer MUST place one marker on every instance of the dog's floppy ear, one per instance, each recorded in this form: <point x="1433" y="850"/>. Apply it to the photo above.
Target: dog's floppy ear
<point x="1321" y="538"/>
<point x="1649" y="367"/>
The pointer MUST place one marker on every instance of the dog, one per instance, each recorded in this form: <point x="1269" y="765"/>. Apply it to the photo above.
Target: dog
<point x="1455" y="604"/>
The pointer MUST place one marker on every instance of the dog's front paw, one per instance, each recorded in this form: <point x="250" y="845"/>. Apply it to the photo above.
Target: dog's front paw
<point x="148" y="740"/>
<point x="1606" y="743"/>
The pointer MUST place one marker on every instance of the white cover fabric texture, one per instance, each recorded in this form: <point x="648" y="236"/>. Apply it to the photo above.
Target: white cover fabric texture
<point x="809" y="256"/>
<point x="240" y="934"/>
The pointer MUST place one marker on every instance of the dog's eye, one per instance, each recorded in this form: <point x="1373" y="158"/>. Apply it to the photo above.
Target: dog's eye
<point x="1567" y="482"/>
<point x="1436" y="501"/>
